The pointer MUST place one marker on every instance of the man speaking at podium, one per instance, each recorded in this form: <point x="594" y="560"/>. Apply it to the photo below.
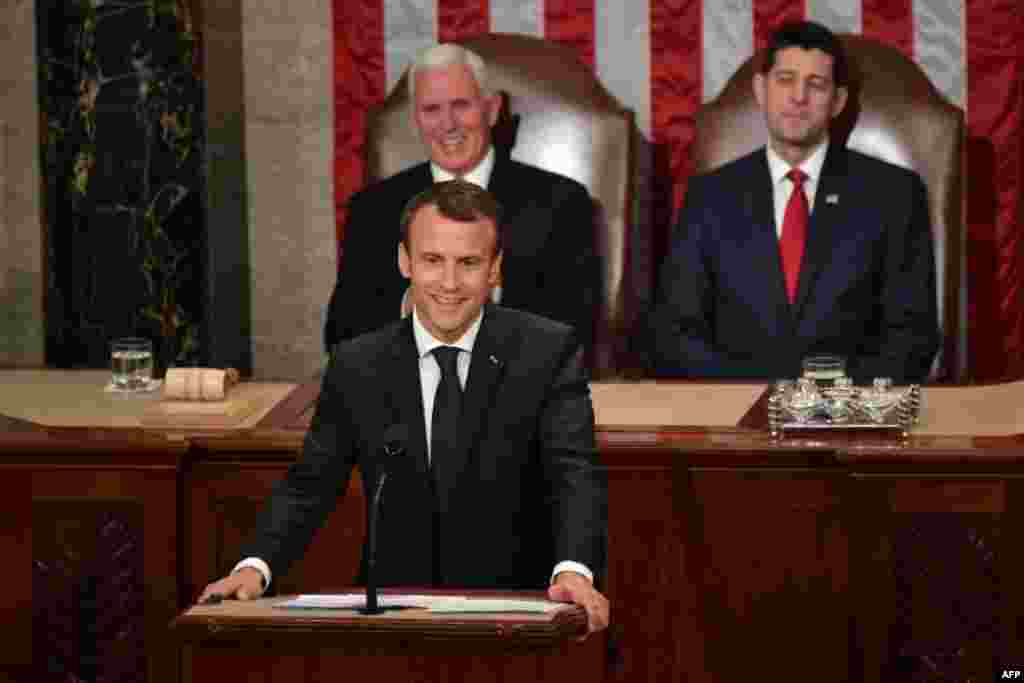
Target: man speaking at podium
<point x="480" y="414"/>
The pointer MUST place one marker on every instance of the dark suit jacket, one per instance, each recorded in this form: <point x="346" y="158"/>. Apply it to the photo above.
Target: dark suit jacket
<point x="523" y="494"/>
<point x="549" y="265"/>
<point x="867" y="283"/>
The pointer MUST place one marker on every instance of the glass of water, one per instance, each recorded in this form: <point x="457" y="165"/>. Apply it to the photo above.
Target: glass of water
<point x="824" y="368"/>
<point x="131" y="363"/>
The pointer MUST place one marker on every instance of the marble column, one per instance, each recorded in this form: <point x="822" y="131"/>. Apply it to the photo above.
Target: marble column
<point x="287" y="94"/>
<point x="21" y="236"/>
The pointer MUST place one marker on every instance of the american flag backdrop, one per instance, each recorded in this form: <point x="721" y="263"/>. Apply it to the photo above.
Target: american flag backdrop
<point x="663" y="58"/>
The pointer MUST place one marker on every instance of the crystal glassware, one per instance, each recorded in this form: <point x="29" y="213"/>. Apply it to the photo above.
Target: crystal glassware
<point x="839" y="399"/>
<point x="784" y="389"/>
<point x="878" y="402"/>
<point x="805" y="400"/>
<point x="823" y="368"/>
<point x="131" y="363"/>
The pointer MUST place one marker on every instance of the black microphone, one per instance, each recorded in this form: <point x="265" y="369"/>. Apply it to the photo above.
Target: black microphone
<point x="394" y="443"/>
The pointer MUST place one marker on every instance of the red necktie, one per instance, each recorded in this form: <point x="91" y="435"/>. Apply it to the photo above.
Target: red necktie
<point x="794" y="232"/>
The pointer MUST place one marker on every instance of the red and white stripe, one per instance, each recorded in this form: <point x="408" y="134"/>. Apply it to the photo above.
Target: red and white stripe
<point x="663" y="58"/>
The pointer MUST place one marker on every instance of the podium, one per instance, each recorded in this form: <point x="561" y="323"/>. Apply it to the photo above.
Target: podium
<point x="257" y="640"/>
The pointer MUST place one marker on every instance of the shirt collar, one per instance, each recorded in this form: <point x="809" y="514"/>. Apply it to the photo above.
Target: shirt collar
<point x="426" y="342"/>
<point x="480" y="175"/>
<point x="779" y="167"/>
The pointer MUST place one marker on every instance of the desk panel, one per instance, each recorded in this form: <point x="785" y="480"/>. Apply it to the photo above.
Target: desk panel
<point x="770" y="551"/>
<point x="93" y="574"/>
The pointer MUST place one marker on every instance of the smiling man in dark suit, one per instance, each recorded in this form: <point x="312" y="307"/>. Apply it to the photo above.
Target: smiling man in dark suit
<point x="801" y="247"/>
<point x="500" y="487"/>
<point x="549" y="265"/>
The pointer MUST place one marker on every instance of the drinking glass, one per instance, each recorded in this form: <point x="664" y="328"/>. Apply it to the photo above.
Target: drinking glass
<point x="805" y="400"/>
<point x="880" y="401"/>
<point x="824" y="368"/>
<point x="839" y="400"/>
<point x="131" y="363"/>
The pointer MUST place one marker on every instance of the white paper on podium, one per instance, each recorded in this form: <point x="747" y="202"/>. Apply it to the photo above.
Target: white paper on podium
<point x="451" y="604"/>
<point x="498" y="605"/>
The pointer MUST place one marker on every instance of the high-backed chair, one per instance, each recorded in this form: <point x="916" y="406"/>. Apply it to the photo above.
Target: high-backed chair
<point x="895" y="114"/>
<point x="559" y="117"/>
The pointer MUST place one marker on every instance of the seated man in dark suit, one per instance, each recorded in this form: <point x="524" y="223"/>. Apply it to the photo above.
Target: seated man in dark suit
<point x="801" y="247"/>
<point x="499" y="485"/>
<point x="549" y="267"/>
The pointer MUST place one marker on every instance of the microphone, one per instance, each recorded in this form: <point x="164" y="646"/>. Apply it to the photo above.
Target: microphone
<point x="396" y="437"/>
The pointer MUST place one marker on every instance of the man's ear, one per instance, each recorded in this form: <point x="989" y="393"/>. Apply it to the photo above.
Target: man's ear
<point x="404" y="261"/>
<point x="494" y="277"/>
<point x="493" y="107"/>
<point x="842" y="93"/>
<point x="758" y="85"/>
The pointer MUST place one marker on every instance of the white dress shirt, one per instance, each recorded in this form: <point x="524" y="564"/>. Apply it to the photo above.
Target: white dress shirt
<point x="480" y="175"/>
<point x="430" y="378"/>
<point x="782" y="186"/>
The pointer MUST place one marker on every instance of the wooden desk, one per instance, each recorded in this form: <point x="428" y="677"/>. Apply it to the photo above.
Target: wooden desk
<point x="730" y="553"/>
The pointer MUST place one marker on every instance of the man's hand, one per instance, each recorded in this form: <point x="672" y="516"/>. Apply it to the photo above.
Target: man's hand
<point x="245" y="584"/>
<point x="576" y="588"/>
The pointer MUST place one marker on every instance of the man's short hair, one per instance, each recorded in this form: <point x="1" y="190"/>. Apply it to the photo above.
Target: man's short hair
<point x="808" y="35"/>
<point x="445" y="55"/>
<point x="456" y="200"/>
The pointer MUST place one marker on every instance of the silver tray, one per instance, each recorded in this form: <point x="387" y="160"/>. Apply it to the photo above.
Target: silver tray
<point x="826" y="424"/>
<point x="901" y="419"/>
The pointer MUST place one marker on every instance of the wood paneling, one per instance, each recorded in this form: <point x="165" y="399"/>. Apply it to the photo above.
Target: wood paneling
<point x="91" y="566"/>
<point x="16" y="608"/>
<point x="772" y="549"/>
<point x="88" y="588"/>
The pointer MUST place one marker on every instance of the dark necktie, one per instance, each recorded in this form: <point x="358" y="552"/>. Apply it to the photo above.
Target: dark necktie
<point x="444" y="428"/>
<point x="444" y="431"/>
<point x="794" y="233"/>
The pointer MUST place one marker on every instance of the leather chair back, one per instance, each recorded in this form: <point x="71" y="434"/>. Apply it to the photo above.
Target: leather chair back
<point x="896" y="114"/>
<point x="557" y="116"/>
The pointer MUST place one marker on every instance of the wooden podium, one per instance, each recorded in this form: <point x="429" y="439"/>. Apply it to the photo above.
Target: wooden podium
<point x="256" y="640"/>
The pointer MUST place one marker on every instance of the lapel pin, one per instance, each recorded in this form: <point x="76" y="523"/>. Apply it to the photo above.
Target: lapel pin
<point x="494" y="361"/>
<point x="832" y="199"/>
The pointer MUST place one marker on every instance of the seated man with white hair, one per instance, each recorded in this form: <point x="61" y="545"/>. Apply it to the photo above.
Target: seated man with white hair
<point x="549" y="267"/>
